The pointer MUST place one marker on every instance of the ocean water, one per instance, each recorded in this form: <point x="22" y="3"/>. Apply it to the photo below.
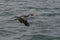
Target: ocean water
<point x="45" y="26"/>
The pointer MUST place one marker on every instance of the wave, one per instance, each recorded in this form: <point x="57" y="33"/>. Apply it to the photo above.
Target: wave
<point x="6" y="14"/>
<point x="42" y="8"/>
<point x="50" y="14"/>
<point x="6" y="33"/>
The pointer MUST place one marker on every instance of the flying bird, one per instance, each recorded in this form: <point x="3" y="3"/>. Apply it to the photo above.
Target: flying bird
<point x="22" y="19"/>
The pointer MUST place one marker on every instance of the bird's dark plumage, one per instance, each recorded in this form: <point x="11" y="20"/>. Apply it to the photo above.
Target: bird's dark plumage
<point x="22" y="20"/>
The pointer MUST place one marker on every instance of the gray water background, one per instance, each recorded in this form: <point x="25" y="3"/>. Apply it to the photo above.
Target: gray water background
<point x="45" y="26"/>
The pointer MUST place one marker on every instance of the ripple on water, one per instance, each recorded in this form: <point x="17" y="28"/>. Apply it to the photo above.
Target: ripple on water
<point x="6" y="14"/>
<point x="36" y="37"/>
<point x="7" y="33"/>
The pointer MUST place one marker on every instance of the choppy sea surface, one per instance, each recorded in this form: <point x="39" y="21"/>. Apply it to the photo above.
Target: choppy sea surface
<point x="45" y="26"/>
